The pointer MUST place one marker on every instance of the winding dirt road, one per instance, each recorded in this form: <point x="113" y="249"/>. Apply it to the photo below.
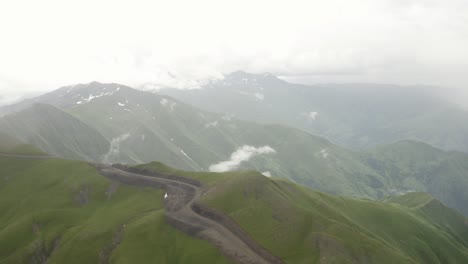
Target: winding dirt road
<point x="185" y="213"/>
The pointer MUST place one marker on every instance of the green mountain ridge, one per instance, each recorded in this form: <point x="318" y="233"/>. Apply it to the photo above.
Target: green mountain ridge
<point x="63" y="211"/>
<point x="55" y="132"/>
<point x="11" y="145"/>
<point x="59" y="211"/>
<point x="415" y="166"/>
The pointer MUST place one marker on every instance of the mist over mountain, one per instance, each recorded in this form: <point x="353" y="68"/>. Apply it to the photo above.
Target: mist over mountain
<point x="354" y="115"/>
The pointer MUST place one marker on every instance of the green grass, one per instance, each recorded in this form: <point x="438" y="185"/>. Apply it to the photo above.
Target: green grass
<point x="55" y="132"/>
<point x="303" y="226"/>
<point x="409" y="166"/>
<point x="44" y="216"/>
<point x="39" y="204"/>
<point x="11" y="145"/>
<point x="207" y="178"/>
<point x="149" y="240"/>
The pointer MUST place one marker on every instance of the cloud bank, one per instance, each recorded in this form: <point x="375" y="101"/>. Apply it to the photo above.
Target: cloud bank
<point x="242" y="154"/>
<point x="176" y="43"/>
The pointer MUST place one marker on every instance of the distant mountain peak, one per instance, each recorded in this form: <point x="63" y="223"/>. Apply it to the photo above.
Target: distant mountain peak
<point x="85" y="93"/>
<point x="245" y="80"/>
<point x="242" y="75"/>
<point x="95" y="86"/>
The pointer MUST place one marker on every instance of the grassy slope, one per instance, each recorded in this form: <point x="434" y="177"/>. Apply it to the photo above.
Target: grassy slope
<point x="301" y="225"/>
<point x="413" y="166"/>
<point x="161" y="132"/>
<point x="145" y="126"/>
<point x="11" y="145"/>
<point x="55" y="132"/>
<point x="40" y="205"/>
<point x="160" y="128"/>
<point x="386" y="234"/>
<point x="165" y="131"/>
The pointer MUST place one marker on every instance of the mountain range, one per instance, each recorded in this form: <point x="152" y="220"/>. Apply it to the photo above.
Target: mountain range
<point x="113" y="123"/>
<point x="357" y="116"/>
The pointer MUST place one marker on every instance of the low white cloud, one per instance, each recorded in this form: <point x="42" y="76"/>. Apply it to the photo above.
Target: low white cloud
<point x="266" y="174"/>
<point x="360" y="41"/>
<point x="242" y="154"/>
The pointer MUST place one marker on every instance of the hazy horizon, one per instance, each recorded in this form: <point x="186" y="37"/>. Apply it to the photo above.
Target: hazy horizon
<point x="177" y="43"/>
<point x="304" y="80"/>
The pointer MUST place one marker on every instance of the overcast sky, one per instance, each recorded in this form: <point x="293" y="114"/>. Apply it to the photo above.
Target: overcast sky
<point x="46" y="44"/>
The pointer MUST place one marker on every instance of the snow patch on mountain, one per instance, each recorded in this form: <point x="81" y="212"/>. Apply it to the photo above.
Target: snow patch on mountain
<point x="242" y="154"/>
<point x="185" y="154"/>
<point x="69" y="89"/>
<point x="168" y="104"/>
<point x="266" y="174"/>
<point x="86" y="99"/>
<point x="398" y="192"/>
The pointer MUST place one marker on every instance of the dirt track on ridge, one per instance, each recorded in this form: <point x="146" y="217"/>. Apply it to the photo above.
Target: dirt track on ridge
<point x="185" y="213"/>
